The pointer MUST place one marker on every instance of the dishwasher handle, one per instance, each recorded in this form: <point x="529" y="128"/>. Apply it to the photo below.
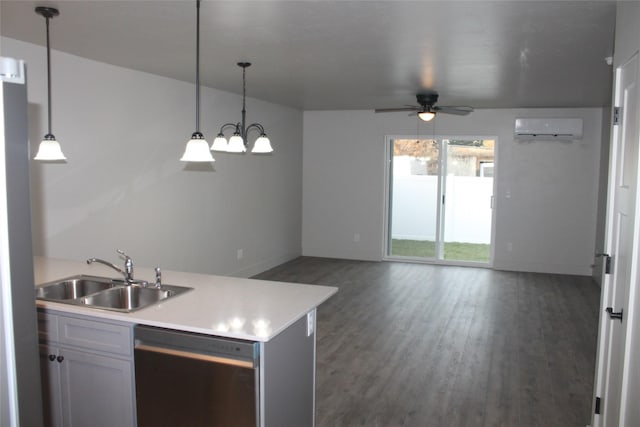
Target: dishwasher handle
<point x="195" y="356"/>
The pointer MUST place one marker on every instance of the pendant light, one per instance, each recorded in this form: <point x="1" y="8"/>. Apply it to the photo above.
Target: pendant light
<point x="49" y="147"/>
<point x="197" y="149"/>
<point x="238" y="141"/>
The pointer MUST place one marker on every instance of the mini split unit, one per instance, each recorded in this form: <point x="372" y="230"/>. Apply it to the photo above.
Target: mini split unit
<point x="548" y="129"/>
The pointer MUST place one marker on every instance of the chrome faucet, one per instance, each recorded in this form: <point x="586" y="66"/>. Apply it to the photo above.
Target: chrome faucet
<point x="128" y="266"/>
<point x="158" y="278"/>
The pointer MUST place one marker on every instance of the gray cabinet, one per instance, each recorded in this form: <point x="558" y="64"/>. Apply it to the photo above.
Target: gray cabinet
<point x="87" y="371"/>
<point x="288" y="366"/>
<point x="50" y="376"/>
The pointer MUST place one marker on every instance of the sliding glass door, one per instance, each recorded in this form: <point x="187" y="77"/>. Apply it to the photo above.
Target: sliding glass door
<point x="415" y="171"/>
<point x="440" y="199"/>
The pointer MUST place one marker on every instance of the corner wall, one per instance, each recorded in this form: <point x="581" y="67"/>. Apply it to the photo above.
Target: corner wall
<point x="547" y="191"/>
<point x="123" y="132"/>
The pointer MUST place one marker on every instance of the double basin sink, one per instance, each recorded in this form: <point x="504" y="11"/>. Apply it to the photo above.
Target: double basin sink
<point x="105" y="293"/>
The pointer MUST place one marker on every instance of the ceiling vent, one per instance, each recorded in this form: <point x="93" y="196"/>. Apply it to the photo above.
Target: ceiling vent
<point x="548" y="129"/>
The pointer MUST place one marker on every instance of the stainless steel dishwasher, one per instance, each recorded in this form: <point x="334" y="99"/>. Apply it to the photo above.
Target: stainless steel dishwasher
<point x="187" y="379"/>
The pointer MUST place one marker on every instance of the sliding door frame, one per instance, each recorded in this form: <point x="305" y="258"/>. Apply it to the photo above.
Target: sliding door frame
<point x="441" y="182"/>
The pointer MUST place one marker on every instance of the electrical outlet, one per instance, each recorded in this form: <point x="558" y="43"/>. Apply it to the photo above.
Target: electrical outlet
<point x="356" y="237"/>
<point x="311" y="322"/>
<point x="509" y="247"/>
<point x="240" y="254"/>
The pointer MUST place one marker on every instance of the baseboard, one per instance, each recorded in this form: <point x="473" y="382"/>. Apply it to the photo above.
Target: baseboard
<point x="264" y="265"/>
<point x="574" y="270"/>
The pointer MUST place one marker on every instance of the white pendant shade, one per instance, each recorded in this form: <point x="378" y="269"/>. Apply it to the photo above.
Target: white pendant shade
<point x="49" y="150"/>
<point x="197" y="150"/>
<point x="236" y="144"/>
<point x="262" y="145"/>
<point x="219" y="144"/>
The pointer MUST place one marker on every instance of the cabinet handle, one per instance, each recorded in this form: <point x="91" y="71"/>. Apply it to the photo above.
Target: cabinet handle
<point x="60" y="358"/>
<point x="52" y="357"/>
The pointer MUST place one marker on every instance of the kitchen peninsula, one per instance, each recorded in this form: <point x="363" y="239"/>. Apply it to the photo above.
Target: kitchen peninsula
<point x="276" y="318"/>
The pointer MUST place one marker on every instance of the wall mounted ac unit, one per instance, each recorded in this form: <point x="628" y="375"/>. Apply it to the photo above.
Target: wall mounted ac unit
<point x="548" y="129"/>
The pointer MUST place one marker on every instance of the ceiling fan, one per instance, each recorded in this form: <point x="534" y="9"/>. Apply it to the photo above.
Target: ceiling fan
<point x="427" y="109"/>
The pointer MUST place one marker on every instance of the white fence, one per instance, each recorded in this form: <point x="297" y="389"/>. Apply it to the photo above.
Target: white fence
<point x="467" y="208"/>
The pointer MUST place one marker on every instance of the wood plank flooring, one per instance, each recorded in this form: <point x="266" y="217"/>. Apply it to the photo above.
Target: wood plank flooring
<point x="419" y="345"/>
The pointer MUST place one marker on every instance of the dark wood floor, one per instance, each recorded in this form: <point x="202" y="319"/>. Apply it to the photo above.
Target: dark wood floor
<point x="419" y="345"/>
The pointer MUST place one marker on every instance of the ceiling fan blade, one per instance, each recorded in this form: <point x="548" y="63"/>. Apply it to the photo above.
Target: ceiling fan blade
<point x="392" y="110"/>
<point x="459" y="111"/>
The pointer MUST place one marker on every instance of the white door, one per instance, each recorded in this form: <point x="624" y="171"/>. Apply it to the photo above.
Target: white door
<point x="620" y="245"/>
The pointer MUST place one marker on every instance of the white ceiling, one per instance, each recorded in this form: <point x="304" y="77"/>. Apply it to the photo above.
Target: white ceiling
<point x="349" y="54"/>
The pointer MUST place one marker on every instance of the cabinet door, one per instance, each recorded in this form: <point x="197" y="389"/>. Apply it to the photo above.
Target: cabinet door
<point x="50" y="377"/>
<point x="97" y="390"/>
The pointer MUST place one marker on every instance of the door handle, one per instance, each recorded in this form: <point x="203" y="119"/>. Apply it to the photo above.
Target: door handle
<point x="614" y="314"/>
<point x="193" y="355"/>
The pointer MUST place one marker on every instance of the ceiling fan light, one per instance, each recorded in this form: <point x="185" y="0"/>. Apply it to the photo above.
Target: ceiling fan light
<point x="197" y="150"/>
<point x="49" y="149"/>
<point x="262" y="145"/>
<point x="236" y="144"/>
<point x="220" y="143"/>
<point x="426" y="116"/>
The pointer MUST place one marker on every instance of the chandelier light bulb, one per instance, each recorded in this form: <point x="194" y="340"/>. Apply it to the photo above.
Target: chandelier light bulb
<point x="236" y="144"/>
<point x="49" y="149"/>
<point x="197" y="150"/>
<point x="262" y="145"/>
<point x="220" y="143"/>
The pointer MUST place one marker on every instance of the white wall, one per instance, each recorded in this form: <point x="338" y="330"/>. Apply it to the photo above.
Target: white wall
<point x="123" y="132"/>
<point x="342" y="185"/>
<point x="547" y="191"/>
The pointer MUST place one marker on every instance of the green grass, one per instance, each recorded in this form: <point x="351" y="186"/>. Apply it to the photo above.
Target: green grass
<point x="452" y="250"/>
<point x="417" y="248"/>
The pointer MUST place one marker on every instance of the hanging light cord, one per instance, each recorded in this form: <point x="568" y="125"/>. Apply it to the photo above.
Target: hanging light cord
<point x="198" y="66"/>
<point x="48" y="77"/>
<point x="243" y="130"/>
<point x="244" y="87"/>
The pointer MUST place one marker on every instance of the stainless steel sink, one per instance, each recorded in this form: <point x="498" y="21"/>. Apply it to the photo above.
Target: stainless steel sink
<point x="105" y="293"/>
<point x="73" y="287"/>
<point x="127" y="298"/>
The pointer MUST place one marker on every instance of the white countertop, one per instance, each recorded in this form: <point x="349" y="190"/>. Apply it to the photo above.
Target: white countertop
<point x="249" y="309"/>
